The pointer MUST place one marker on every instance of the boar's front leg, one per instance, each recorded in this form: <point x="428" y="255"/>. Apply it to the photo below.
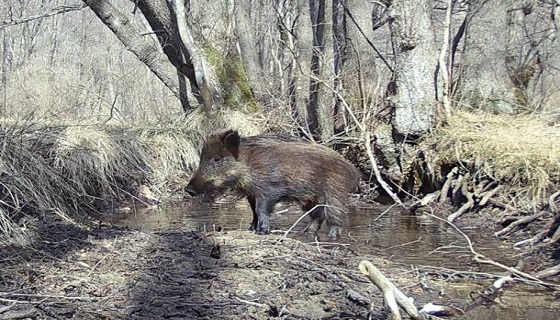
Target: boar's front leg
<point x="263" y="207"/>
<point x="255" y="221"/>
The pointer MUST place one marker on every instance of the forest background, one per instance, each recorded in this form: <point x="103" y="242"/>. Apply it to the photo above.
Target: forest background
<point x="438" y="102"/>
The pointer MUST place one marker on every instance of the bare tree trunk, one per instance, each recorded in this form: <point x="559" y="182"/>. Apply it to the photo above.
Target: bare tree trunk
<point x="245" y="31"/>
<point x="484" y="81"/>
<point x="416" y="96"/>
<point x="159" y="17"/>
<point x="296" y="38"/>
<point x="321" y="97"/>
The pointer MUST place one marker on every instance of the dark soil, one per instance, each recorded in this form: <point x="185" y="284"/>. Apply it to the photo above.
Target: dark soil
<point x="68" y="272"/>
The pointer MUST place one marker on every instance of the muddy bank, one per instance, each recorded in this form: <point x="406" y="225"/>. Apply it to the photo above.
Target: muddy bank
<point x="112" y="273"/>
<point x="119" y="274"/>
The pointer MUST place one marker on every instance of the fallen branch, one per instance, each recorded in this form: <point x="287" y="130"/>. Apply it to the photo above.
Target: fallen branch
<point x="545" y="230"/>
<point x="480" y="258"/>
<point x="357" y="298"/>
<point x="491" y="293"/>
<point x="391" y="293"/>
<point x="549" y="272"/>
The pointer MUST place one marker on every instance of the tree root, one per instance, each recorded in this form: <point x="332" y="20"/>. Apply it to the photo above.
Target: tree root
<point x="526" y="220"/>
<point x="552" y="202"/>
<point x="549" y="272"/>
<point x="447" y="184"/>
<point x="467" y="205"/>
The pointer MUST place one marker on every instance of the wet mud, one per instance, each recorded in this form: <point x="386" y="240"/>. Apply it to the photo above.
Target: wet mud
<point x="186" y="263"/>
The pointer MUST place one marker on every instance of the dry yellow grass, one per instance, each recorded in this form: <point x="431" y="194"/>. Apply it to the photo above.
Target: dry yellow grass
<point x="68" y="170"/>
<point x="520" y="151"/>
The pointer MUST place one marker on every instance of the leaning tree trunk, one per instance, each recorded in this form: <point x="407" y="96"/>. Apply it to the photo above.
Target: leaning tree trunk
<point x="485" y="81"/>
<point x="130" y="35"/>
<point x="415" y="89"/>
<point x="183" y="57"/>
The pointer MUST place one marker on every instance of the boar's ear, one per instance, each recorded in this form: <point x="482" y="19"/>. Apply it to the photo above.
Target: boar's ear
<point x="230" y="139"/>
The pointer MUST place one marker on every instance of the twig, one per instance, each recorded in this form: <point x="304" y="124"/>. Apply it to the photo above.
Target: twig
<point x="101" y="260"/>
<point x="261" y="305"/>
<point x="483" y="259"/>
<point x="300" y="218"/>
<point x="13" y="303"/>
<point x="383" y="213"/>
<point x="55" y="11"/>
<point x="403" y="244"/>
<point x="380" y="180"/>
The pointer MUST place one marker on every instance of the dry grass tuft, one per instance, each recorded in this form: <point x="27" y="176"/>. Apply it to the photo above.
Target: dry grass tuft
<point x="172" y="150"/>
<point x="522" y="152"/>
<point x="224" y="119"/>
<point x="72" y="170"/>
<point x="89" y="157"/>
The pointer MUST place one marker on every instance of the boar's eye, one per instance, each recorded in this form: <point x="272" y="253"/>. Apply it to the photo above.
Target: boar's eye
<point x="215" y="159"/>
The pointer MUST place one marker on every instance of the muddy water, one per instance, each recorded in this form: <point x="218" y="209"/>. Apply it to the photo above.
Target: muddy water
<point x="423" y="243"/>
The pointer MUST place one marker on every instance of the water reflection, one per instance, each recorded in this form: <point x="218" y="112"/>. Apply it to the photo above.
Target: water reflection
<point x="382" y="230"/>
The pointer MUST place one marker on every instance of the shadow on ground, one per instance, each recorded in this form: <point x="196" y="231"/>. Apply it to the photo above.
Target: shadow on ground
<point x="109" y="273"/>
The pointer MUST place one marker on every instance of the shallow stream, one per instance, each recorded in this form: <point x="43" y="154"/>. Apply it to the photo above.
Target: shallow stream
<point x="423" y="243"/>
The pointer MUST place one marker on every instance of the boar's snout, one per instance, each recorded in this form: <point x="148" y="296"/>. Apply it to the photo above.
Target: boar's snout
<point x="190" y="190"/>
<point x="197" y="186"/>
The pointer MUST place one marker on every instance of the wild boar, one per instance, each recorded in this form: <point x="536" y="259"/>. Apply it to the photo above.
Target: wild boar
<point x="268" y="170"/>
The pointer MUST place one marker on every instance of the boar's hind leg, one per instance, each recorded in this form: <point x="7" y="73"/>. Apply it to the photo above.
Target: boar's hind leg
<point x="263" y="207"/>
<point x="316" y="215"/>
<point x="335" y="220"/>
<point x="253" y="204"/>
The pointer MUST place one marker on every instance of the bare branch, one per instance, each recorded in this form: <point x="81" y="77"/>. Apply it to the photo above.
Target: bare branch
<point x="55" y="11"/>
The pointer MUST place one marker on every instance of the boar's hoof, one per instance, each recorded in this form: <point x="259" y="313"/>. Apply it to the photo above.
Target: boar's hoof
<point x="263" y="231"/>
<point x="334" y="232"/>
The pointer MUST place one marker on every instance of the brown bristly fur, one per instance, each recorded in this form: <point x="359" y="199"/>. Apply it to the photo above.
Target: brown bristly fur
<point x="268" y="170"/>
